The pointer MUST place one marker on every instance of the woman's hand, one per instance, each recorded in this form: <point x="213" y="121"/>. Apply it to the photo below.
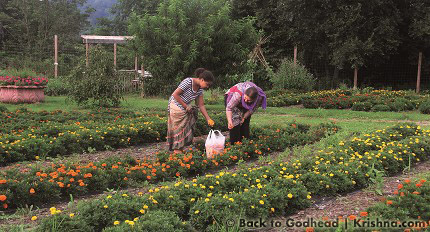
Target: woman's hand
<point x="189" y="108"/>
<point x="230" y="125"/>
<point x="242" y="121"/>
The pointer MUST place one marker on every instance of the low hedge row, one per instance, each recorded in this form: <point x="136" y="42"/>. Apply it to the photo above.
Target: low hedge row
<point x="375" y="100"/>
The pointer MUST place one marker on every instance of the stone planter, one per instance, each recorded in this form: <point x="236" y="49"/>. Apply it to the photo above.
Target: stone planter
<point x="21" y="94"/>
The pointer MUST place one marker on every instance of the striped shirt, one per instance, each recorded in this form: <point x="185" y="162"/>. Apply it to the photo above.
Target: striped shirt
<point x="188" y="95"/>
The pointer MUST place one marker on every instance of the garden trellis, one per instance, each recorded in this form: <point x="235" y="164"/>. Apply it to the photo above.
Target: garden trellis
<point x="96" y="39"/>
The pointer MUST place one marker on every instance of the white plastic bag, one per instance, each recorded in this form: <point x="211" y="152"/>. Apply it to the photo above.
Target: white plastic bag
<point x="214" y="143"/>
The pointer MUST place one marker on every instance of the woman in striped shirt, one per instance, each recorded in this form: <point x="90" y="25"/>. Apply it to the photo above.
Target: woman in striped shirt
<point x="182" y="116"/>
<point x="241" y="101"/>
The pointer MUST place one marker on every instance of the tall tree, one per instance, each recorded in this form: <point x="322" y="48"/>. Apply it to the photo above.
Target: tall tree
<point x="31" y="25"/>
<point x="186" y="34"/>
<point x="122" y="11"/>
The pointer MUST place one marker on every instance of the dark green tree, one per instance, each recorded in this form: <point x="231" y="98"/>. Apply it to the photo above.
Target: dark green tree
<point x="186" y="34"/>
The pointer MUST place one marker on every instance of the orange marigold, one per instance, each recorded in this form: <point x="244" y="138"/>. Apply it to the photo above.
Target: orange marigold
<point x="3" y="197"/>
<point x="364" y="214"/>
<point x="32" y="191"/>
<point x="352" y="217"/>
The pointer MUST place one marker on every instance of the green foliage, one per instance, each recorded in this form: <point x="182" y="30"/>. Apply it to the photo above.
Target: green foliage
<point x="362" y="106"/>
<point x="3" y="109"/>
<point x="27" y="30"/>
<point x="184" y="35"/>
<point x="292" y="77"/>
<point x="380" y="108"/>
<point x="24" y="72"/>
<point x="401" y="104"/>
<point x="97" y="84"/>
<point x="425" y="107"/>
<point x="62" y="222"/>
<point x="158" y="220"/>
<point x="57" y="87"/>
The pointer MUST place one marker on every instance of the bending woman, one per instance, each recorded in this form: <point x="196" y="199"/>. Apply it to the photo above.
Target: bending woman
<point x="182" y="116"/>
<point x="241" y="101"/>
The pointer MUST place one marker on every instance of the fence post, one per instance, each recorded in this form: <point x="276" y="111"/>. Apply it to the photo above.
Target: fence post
<point x="87" y="46"/>
<point x="114" y="55"/>
<point x="355" y="77"/>
<point x="56" y="56"/>
<point x="420" y="57"/>
<point x="142" y="93"/>
<point x="135" y="68"/>
<point x="295" y="54"/>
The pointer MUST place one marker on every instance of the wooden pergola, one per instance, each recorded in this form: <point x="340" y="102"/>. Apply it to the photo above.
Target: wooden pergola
<point x="97" y="39"/>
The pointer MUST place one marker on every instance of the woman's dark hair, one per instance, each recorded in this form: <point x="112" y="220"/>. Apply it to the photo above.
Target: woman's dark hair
<point x="252" y="93"/>
<point x="198" y="71"/>
<point x="207" y="76"/>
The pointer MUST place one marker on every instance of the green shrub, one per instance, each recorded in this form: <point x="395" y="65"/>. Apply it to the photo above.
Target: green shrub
<point x="293" y="77"/>
<point x="401" y="104"/>
<point x="97" y="84"/>
<point x="62" y="222"/>
<point x="23" y="72"/>
<point x="362" y="106"/>
<point x="380" y="107"/>
<point x="425" y="107"/>
<point x="158" y="220"/>
<point x="185" y="34"/>
<point x="3" y="109"/>
<point x="57" y="86"/>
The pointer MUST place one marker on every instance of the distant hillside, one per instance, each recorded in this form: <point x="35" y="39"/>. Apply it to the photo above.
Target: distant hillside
<point x="102" y="9"/>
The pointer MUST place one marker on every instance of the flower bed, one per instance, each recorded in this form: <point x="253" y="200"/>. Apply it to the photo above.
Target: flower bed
<point x="406" y="210"/>
<point x="22" y="86"/>
<point x="25" y="185"/>
<point x="206" y="203"/>
<point x="28" y="135"/>
<point x="376" y="100"/>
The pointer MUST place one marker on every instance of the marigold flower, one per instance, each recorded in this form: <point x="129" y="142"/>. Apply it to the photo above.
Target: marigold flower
<point x="309" y="229"/>
<point x="34" y="218"/>
<point x="32" y="191"/>
<point x="352" y="217"/>
<point x="364" y="214"/>
<point x="3" y="197"/>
